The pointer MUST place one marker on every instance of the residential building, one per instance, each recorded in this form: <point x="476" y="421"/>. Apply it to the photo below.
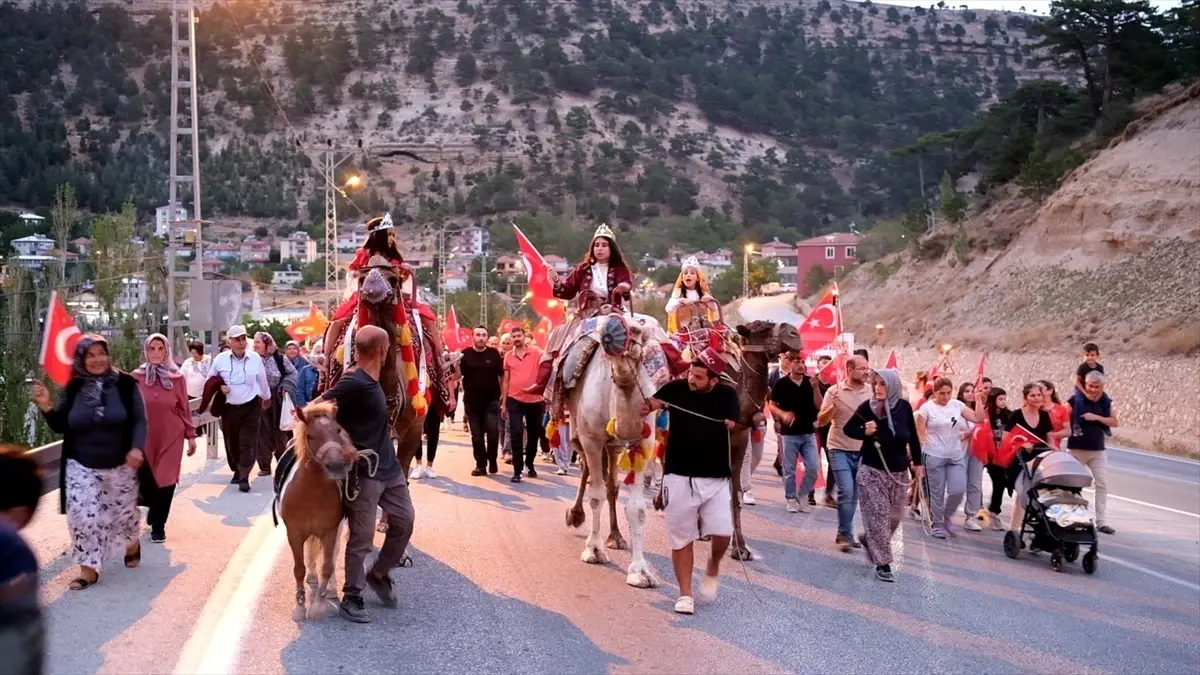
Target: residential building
<point x="351" y="237"/>
<point x="299" y="247"/>
<point x="31" y="220"/>
<point x="33" y="245"/>
<point x="833" y="253"/>
<point x="510" y="266"/>
<point x="454" y="281"/>
<point x="83" y="245"/>
<point x="222" y="251"/>
<point x="134" y="293"/>
<point x="558" y="263"/>
<point x="254" y="252"/>
<point x="471" y="241"/>
<point x="33" y="262"/>
<point x="163" y="219"/>
<point x="419" y="260"/>
<point x="286" y="280"/>
<point x="785" y="257"/>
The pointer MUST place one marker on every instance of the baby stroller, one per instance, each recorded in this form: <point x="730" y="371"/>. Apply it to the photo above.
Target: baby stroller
<point x="1058" y="518"/>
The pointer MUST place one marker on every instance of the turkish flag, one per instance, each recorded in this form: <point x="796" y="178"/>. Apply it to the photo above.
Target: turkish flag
<point x="508" y="324"/>
<point x="983" y="443"/>
<point x="537" y="270"/>
<point x="1013" y="441"/>
<point x="892" y="363"/>
<point x="541" y="332"/>
<point x="823" y="324"/>
<point x="835" y="370"/>
<point x="311" y="326"/>
<point x="550" y="308"/>
<point x="58" y="342"/>
<point x="982" y="370"/>
<point x="455" y="337"/>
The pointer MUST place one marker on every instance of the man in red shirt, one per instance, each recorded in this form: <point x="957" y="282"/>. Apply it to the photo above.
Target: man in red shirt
<point x="523" y="410"/>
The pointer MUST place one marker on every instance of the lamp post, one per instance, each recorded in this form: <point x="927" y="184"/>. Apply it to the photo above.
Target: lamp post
<point x="747" y="251"/>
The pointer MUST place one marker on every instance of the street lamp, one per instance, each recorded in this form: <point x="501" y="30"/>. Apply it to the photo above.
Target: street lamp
<point x="746" y="253"/>
<point x="353" y="182"/>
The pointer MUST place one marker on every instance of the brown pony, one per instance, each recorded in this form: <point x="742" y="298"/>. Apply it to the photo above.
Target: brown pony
<point x="310" y="502"/>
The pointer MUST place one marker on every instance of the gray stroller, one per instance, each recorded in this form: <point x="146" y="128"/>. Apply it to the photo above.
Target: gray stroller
<point x="1056" y="517"/>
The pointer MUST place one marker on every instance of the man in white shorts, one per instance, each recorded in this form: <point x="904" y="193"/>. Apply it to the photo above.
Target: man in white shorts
<point x="697" y="481"/>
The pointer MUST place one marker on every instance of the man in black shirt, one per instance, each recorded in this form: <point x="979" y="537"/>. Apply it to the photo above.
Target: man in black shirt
<point x="795" y="402"/>
<point x="362" y="412"/>
<point x="696" y="485"/>
<point x="482" y="370"/>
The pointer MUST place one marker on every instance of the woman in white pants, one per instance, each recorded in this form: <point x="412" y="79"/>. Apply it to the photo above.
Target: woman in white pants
<point x="940" y="424"/>
<point x="974" y="501"/>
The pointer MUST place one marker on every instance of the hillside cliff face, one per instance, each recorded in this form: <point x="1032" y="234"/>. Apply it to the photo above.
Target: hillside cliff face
<point x="1112" y="256"/>
<point x="781" y="113"/>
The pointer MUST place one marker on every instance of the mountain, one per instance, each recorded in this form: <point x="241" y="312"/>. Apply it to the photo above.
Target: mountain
<point x="719" y="119"/>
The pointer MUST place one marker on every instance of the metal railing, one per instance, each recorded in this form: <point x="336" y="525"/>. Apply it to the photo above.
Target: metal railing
<point x="49" y="456"/>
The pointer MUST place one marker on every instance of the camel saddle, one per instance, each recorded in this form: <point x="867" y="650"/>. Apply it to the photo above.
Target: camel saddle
<point x="283" y="470"/>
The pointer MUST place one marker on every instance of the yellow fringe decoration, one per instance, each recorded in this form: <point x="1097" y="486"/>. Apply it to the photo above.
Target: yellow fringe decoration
<point x="611" y="428"/>
<point x="405" y="336"/>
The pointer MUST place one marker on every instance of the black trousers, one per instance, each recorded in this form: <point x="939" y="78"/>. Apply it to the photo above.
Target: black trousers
<point x="524" y="417"/>
<point x="240" y="426"/>
<point x="484" y="421"/>
<point x="1002" y="480"/>
<point x="433" y="432"/>
<point x="158" y="500"/>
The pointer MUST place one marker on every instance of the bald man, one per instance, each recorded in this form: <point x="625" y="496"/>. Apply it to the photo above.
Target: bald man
<point x="362" y="412"/>
<point x="838" y="406"/>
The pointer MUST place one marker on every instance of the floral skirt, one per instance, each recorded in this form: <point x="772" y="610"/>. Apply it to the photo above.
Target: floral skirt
<point x="102" y="512"/>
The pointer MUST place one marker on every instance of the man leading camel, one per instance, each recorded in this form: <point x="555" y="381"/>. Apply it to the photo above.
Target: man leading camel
<point x="697" y="484"/>
<point x="362" y="412"/>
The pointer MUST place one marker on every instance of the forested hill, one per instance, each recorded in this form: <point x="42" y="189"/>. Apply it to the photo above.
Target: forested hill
<point x="781" y="117"/>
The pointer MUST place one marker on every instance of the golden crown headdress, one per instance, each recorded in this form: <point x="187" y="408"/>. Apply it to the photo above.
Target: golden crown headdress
<point x="604" y="231"/>
<point x="690" y="262"/>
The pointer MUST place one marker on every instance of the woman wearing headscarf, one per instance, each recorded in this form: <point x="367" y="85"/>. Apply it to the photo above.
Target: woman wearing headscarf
<point x="164" y="391"/>
<point x="103" y="423"/>
<point x="281" y="380"/>
<point x="888" y="430"/>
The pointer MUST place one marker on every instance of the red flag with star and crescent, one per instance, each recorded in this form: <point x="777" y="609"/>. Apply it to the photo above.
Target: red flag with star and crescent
<point x="58" y="342"/>
<point x="1013" y="441"/>
<point x="823" y="324"/>
<point x="893" y="363"/>
<point x="537" y="274"/>
<point x="455" y="337"/>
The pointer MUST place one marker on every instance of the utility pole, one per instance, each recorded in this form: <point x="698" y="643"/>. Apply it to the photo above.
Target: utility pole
<point x="185" y="121"/>
<point x="331" y="228"/>
<point x="484" y="297"/>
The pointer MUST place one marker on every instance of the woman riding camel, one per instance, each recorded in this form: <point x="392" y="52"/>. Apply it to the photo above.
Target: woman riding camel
<point x="692" y="305"/>
<point x="601" y="279"/>
<point x="381" y="240"/>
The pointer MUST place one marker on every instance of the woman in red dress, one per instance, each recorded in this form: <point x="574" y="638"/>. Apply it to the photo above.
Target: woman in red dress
<point x="381" y="240"/>
<point x="169" y="424"/>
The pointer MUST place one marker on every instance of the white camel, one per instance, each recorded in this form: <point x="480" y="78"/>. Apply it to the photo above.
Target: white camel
<point x="613" y="386"/>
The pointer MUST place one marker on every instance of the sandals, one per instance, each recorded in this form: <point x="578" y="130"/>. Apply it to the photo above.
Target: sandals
<point x="134" y="559"/>
<point x="708" y="588"/>
<point x="82" y="582"/>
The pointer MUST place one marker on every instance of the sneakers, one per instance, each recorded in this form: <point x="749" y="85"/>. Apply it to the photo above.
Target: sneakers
<point x="492" y="468"/>
<point x="846" y="544"/>
<point x="158" y="536"/>
<point x="685" y="605"/>
<point x="830" y="501"/>
<point x="748" y="498"/>
<point x="560" y="472"/>
<point x="949" y="529"/>
<point x="515" y="479"/>
<point x="939" y="532"/>
<point x="793" y="506"/>
<point x="478" y="471"/>
<point x="1105" y="529"/>
<point x="383" y="589"/>
<point x="531" y="473"/>
<point x="804" y="507"/>
<point x="997" y="526"/>
<point x="351" y="608"/>
<point x="971" y="524"/>
<point x="430" y="473"/>
<point x="417" y="472"/>
<point x="812" y="499"/>
<point x="244" y="485"/>
<point x="884" y="573"/>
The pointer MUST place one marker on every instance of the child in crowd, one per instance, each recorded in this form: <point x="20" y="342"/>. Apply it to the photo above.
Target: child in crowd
<point x="22" y="637"/>
<point x="1091" y="361"/>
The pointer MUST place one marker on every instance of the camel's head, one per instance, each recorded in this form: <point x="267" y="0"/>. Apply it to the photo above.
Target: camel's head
<point x="770" y="337"/>
<point x="320" y="439"/>
<point x="379" y="282"/>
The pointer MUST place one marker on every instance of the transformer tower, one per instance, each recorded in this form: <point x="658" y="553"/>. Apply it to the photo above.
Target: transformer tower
<point x="183" y="235"/>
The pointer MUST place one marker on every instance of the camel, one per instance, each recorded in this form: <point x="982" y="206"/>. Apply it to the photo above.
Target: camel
<point x="611" y="387"/>
<point x="760" y="342"/>
<point x="310" y="501"/>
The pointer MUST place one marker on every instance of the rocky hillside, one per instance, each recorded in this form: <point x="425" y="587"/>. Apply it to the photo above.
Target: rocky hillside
<point x="1111" y="256"/>
<point x="779" y="114"/>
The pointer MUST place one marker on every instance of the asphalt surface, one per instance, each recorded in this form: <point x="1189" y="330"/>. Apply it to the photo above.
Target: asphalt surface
<point x="498" y="586"/>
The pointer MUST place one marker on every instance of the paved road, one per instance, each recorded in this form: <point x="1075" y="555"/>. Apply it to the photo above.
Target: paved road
<point x="498" y="586"/>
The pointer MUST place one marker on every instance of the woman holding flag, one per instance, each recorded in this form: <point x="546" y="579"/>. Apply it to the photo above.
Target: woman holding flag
<point x="1027" y="427"/>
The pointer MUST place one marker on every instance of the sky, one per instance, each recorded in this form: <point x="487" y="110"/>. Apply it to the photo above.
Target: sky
<point x="1041" y="6"/>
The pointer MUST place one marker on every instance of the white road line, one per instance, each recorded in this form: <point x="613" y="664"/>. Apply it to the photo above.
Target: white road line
<point x="1154" y="476"/>
<point x="1146" y="570"/>
<point x="1155" y="455"/>
<point x="216" y="641"/>
<point x="1147" y="504"/>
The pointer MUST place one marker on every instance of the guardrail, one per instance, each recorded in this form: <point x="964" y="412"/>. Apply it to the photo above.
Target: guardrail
<point x="49" y="456"/>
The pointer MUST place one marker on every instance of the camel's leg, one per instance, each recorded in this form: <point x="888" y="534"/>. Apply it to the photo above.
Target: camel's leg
<point x="593" y="551"/>
<point x="296" y="542"/>
<point x="739" y="550"/>
<point x="322" y="603"/>
<point x="640" y="572"/>
<point x="612" y="492"/>
<point x="575" y="514"/>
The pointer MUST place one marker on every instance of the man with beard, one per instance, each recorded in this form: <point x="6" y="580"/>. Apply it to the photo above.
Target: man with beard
<point x="523" y="410"/>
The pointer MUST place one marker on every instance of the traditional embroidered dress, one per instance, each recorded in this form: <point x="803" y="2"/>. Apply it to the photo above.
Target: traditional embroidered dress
<point x="691" y="325"/>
